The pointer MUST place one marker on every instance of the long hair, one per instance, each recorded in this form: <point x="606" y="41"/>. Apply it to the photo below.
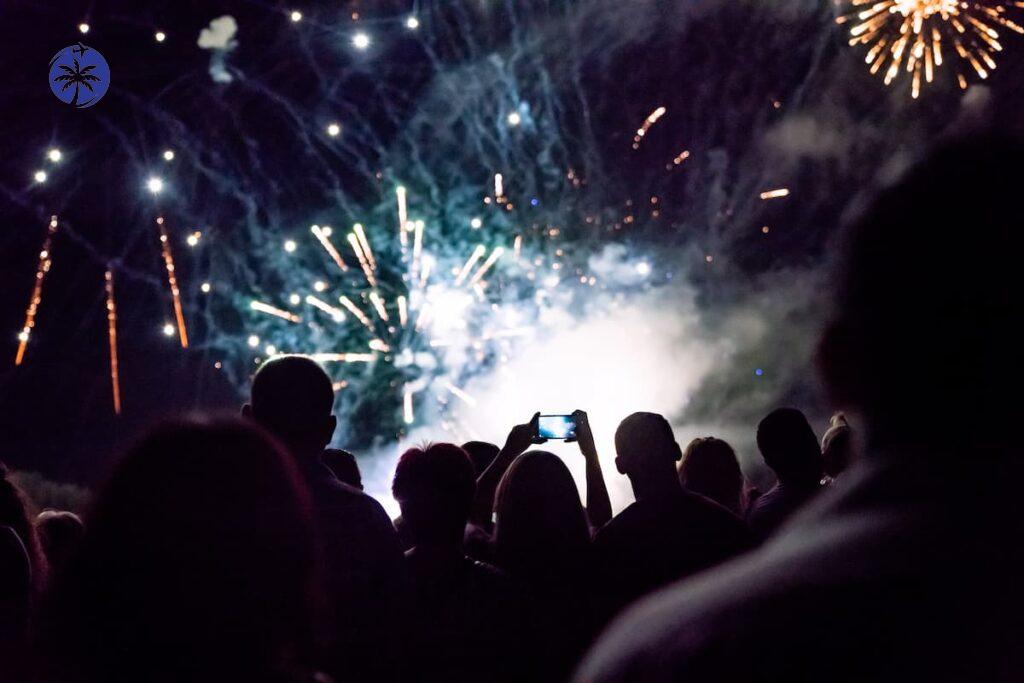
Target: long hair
<point x="16" y="513"/>
<point x="541" y="529"/>
<point x="197" y="563"/>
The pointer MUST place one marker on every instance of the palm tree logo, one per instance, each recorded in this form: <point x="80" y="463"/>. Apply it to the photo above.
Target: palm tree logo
<point x="79" y="76"/>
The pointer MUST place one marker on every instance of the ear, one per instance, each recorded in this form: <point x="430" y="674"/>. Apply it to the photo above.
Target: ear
<point x="247" y="411"/>
<point x="618" y="465"/>
<point x="678" y="452"/>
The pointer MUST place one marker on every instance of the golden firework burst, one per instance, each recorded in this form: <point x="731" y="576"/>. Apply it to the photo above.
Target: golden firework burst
<point x="919" y="36"/>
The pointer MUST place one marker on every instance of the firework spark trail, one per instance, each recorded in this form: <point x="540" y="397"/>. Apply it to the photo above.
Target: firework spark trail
<point x="342" y="357"/>
<point x="403" y="216"/>
<point x="364" y="262"/>
<point x="324" y="238"/>
<point x="274" y="311"/>
<point x="45" y="261"/>
<point x="115" y="380"/>
<point x="357" y="312"/>
<point x="172" y="282"/>
<point x="336" y="313"/>
<point x="378" y="304"/>
<point x="775" y="194"/>
<point x="651" y="119"/>
<point x="477" y="254"/>
<point x="403" y="311"/>
<point x="909" y="35"/>
<point x="495" y="255"/>
<point x="365" y="244"/>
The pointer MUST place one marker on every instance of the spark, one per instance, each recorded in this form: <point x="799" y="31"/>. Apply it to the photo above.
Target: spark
<point x="476" y="223"/>
<point x="357" y="312"/>
<point x="364" y="262"/>
<point x="168" y="330"/>
<point x="403" y="311"/>
<point x="155" y="185"/>
<point x="295" y="16"/>
<point x="495" y="255"/>
<point x="336" y="313"/>
<point x="172" y="282"/>
<point x="193" y="239"/>
<point x="342" y="357"/>
<point x="39" y="176"/>
<point x="379" y="345"/>
<point x="322" y="235"/>
<point x="253" y="341"/>
<point x="45" y="261"/>
<point x="168" y="155"/>
<point x="412" y="23"/>
<point x="517" y="246"/>
<point x="320" y="286"/>
<point x="290" y="246"/>
<point x="775" y="194"/>
<point x="365" y="243"/>
<point x="909" y="36"/>
<point x="160" y="36"/>
<point x="378" y="305"/>
<point x="205" y="287"/>
<point x="274" y="311"/>
<point x="407" y="405"/>
<point x="83" y="27"/>
<point x="54" y="155"/>
<point x="115" y="381"/>
<point x="333" y="129"/>
<point x="514" y="119"/>
<point x="499" y="185"/>
<point x="361" y="41"/>
<point x="643" y="268"/>
<point x="651" y="119"/>
<point x="474" y="257"/>
<point x="469" y="400"/>
<point x="403" y="216"/>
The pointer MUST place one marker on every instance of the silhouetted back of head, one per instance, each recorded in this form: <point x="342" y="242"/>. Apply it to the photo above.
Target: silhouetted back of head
<point x="788" y="445"/>
<point x="541" y="525"/>
<point x="292" y="397"/>
<point x="435" y="487"/>
<point x="929" y="297"/>
<point x="481" y="453"/>
<point x="710" y="468"/>
<point x="59" y="533"/>
<point x="344" y="466"/>
<point x="198" y="560"/>
<point x="645" y="447"/>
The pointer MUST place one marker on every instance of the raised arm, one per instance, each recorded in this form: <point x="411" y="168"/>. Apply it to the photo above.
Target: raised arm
<point x="519" y="439"/>
<point x="599" y="506"/>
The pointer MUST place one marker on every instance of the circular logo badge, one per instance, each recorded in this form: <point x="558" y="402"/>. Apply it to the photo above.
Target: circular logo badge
<point x="79" y="76"/>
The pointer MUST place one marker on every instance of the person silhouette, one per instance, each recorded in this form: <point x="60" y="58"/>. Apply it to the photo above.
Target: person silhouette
<point x="198" y="563"/>
<point x="292" y="398"/>
<point x="343" y="465"/>
<point x="465" y="624"/>
<point x="908" y="567"/>
<point x="668" y="533"/>
<point x="709" y="467"/>
<point x="790" y="449"/>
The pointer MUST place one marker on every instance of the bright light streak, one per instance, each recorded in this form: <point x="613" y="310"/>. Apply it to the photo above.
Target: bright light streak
<point x="403" y="216"/>
<point x="45" y="261"/>
<point x="342" y="357"/>
<point x="417" y="248"/>
<point x="499" y="185"/>
<point x="477" y="254"/>
<point x="378" y="305"/>
<point x="469" y="400"/>
<point x="361" y="234"/>
<point x="775" y="194"/>
<point x="357" y="312"/>
<point x="379" y="345"/>
<point x="274" y="311"/>
<point x="322" y="235"/>
<point x="407" y="405"/>
<point x="403" y="311"/>
<point x="517" y="246"/>
<point x="336" y="313"/>
<point x="495" y="255"/>
<point x="651" y="119"/>
<point x="172" y="282"/>
<point x="364" y="263"/>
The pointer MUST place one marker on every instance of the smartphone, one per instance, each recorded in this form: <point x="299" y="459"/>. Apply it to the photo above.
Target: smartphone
<point x="556" y="427"/>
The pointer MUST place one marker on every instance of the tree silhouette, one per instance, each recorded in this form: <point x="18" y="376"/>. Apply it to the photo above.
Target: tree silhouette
<point x="78" y="77"/>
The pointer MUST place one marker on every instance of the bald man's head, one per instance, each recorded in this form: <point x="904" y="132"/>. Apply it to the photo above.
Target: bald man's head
<point x="292" y="398"/>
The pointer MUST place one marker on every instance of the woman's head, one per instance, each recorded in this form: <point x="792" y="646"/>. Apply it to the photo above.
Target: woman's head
<point x="541" y="526"/>
<point x="710" y="468"/>
<point x="198" y="554"/>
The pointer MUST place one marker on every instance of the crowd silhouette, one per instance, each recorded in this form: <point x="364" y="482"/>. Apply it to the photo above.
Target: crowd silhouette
<point x="244" y="548"/>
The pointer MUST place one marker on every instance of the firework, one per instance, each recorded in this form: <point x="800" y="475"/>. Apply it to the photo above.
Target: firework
<point x="274" y="311"/>
<point x="323" y="236"/>
<point x="403" y="311"/>
<point x="342" y="357"/>
<point x="355" y="310"/>
<point x="172" y="282"/>
<point x="915" y="36"/>
<point x="378" y="305"/>
<point x="775" y="194"/>
<point x="364" y="262"/>
<point x="408" y="414"/>
<point x="45" y="260"/>
<point x="115" y="380"/>
<point x="330" y="310"/>
<point x="495" y="255"/>
<point x="403" y="215"/>
<point x="651" y="119"/>
<point x="470" y="262"/>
